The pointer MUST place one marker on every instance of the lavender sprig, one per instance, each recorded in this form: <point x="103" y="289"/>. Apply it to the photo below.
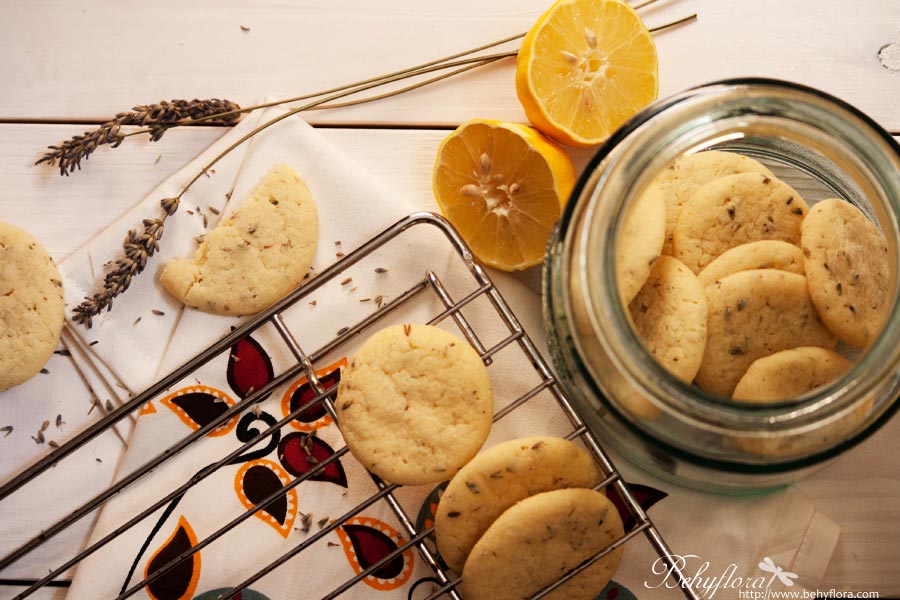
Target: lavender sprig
<point x="156" y="117"/>
<point x="138" y="248"/>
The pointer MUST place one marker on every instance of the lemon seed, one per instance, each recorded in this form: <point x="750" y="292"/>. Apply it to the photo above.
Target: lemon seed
<point x="484" y="163"/>
<point x="470" y="190"/>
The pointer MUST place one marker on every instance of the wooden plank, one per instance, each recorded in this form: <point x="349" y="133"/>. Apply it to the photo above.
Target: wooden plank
<point x="91" y="59"/>
<point x="65" y="212"/>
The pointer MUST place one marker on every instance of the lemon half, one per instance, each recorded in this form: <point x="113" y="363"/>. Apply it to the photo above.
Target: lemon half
<point x="503" y="186"/>
<point x="584" y="68"/>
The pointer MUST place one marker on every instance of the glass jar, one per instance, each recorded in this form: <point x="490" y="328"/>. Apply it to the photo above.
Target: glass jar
<point x="817" y="144"/>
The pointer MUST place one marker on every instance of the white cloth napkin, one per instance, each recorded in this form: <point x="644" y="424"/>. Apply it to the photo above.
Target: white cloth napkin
<point x="353" y="206"/>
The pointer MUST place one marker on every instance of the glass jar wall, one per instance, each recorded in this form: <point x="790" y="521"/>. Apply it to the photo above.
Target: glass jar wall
<point x="818" y="145"/>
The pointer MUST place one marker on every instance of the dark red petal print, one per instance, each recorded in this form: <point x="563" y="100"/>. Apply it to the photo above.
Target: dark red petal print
<point x="201" y="407"/>
<point x="615" y="591"/>
<point x="220" y="593"/>
<point x="180" y="581"/>
<point x="249" y="367"/>
<point x="260" y="483"/>
<point x="305" y="394"/>
<point x="294" y="453"/>
<point x="371" y="546"/>
<point x="242" y="595"/>
<point x="644" y="494"/>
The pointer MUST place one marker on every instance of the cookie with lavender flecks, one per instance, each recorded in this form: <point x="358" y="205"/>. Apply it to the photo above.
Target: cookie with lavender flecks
<point x="31" y="306"/>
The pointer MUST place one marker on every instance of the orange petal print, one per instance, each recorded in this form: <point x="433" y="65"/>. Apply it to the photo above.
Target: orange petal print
<point x="179" y="582"/>
<point x="366" y="541"/>
<point x="147" y="409"/>
<point x="199" y="405"/>
<point x="257" y="480"/>
<point x="300" y="393"/>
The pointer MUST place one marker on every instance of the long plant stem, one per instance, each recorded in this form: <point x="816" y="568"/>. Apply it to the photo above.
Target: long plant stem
<point x="139" y="247"/>
<point x="321" y="103"/>
<point x="427" y="67"/>
<point x="324" y="103"/>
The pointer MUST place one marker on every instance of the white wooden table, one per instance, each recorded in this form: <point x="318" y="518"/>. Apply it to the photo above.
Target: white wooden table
<point x="68" y="66"/>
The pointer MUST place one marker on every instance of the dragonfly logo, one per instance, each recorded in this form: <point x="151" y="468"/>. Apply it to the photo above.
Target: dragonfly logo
<point x="785" y="577"/>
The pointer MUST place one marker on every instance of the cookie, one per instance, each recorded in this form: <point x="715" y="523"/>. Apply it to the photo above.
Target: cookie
<point x="669" y="316"/>
<point x="790" y="373"/>
<point x="735" y="210"/>
<point x="846" y="261"/>
<point x="754" y="314"/>
<point x="681" y="179"/>
<point x="639" y="242"/>
<point x="538" y="540"/>
<point x="255" y="255"/>
<point x="764" y="254"/>
<point x="415" y="404"/>
<point x="498" y="478"/>
<point x="31" y="306"/>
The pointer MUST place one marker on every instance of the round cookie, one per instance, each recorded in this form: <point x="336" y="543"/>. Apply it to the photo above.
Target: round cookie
<point x="669" y="316"/>
<point x="639" y="242"/>
<point x="754" y="314"/>
<point x="764" y="254"/>
<point x="790" y="373"/>
<point x="687" y="174"/>
<point x="538" y="540"/>
<point x="734" y="210"/>
<point x="846" y="261"/>
<point x="415" y="404"/>
<point x="31" y="306"/>
<point x="255" y="255"/>
<point x="498" y="478"/>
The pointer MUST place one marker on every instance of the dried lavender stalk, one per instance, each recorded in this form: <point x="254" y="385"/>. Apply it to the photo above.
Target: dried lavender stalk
<point x="138" y="248"/>
<point x="156" y="117"/>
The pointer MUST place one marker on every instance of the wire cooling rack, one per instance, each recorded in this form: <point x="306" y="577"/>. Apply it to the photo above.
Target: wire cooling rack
<point x="303" y="365"/>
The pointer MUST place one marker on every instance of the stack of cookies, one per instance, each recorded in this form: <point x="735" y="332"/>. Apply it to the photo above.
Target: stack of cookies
<point x="415" y="406"/>
<point x="734" y="283"/>
<point x="522" y="514"/>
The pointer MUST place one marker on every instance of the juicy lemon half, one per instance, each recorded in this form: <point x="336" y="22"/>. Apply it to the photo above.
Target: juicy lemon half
<point x="584" y="68"/>
<point x="503" y="186"/>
